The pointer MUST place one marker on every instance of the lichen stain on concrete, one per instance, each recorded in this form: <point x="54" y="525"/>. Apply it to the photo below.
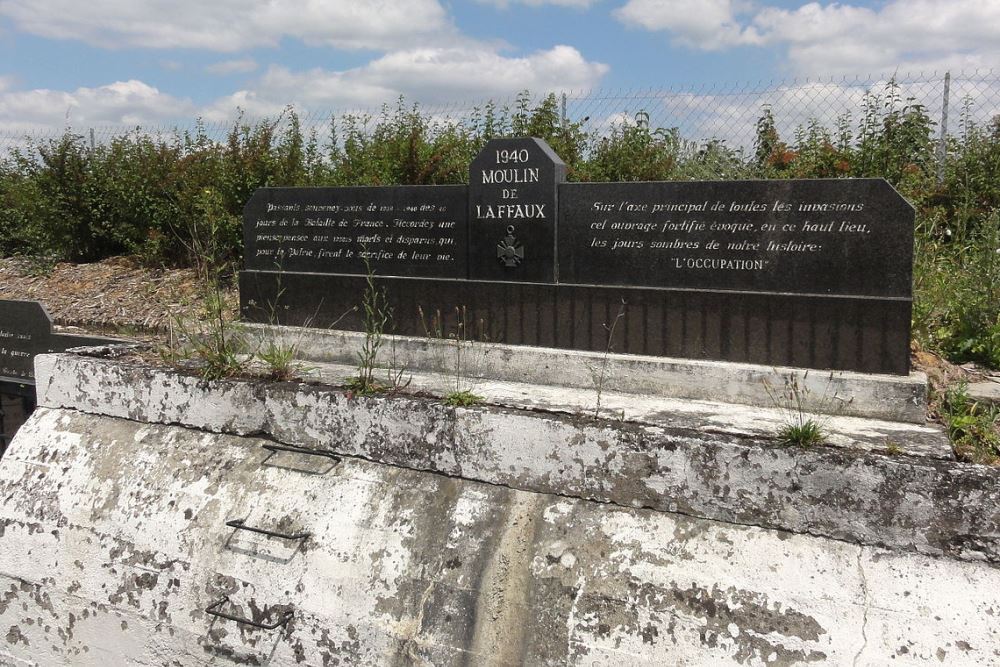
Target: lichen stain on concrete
<point x="741" y="622"/>
<point x="505" y="588"/>
<point x="409" y="567"/>
<point x="132" y="587"/>
<point x="14" y="636"/>
<point x="754" y="618"/>
<point x="336" y="654"/>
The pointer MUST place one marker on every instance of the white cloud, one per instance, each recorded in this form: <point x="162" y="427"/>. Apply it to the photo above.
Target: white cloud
<point x="703" y="24"/>
<point x="428" y="75"/>
<point x="431" y="76"/>
<point x="126" y="103"/>
<point x="911" y="34"/>
<point x="733" y="117"/>
<point x="239" y="66"/>
<point x="232" y="25"/>
<point x="835" y="38"/>
<point x="576" y="4"/>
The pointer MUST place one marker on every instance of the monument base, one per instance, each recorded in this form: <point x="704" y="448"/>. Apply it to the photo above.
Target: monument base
<point x="841" y="393"/>
<point x="826" y="332"/>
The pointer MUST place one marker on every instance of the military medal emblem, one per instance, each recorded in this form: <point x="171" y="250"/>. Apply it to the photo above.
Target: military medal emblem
<point x="510" y="252"/>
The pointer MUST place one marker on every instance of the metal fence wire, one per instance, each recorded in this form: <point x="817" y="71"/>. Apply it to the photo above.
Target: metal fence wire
<point x="699" y="114"/>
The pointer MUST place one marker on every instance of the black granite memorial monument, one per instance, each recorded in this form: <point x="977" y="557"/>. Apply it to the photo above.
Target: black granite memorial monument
<point x="26" y="331"/>
<point x="807" y="273"/>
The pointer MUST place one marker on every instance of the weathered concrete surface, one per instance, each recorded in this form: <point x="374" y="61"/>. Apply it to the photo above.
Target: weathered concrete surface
<point x="887" y="397"/>
<point x="113" y="544"/>
<point x="927" y="440"/>
<point x="933" y="507"/>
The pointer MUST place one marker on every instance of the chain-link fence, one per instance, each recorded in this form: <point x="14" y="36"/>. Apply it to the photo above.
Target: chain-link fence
<point x="725" y="113"/>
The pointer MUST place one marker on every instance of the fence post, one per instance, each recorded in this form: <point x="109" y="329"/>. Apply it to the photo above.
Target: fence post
<point x="92" y="142"/>
<point x="942" y="144"/>
<point x="562" y="112"/>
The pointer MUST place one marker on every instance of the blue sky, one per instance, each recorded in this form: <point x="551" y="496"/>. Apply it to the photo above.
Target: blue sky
<point x="128" y="62"/>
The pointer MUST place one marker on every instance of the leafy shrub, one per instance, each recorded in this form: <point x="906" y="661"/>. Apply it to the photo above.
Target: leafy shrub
<point x="973" y="427"/>
<point x="957" y="291"/>
<point x="151" y="196"/>
<point x="632" y="152"/>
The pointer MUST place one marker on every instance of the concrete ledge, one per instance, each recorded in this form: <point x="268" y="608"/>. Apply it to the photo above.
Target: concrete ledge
<point x="888" y="397"/>
<point x="905" y="503"/>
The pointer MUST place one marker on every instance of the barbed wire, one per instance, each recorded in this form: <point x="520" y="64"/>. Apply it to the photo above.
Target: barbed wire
<point x="699" y="113"/>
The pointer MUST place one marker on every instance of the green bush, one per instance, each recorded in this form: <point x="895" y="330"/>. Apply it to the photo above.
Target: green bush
<point x="957" y="290"/>
<point x="157" y="197"/>
<point x="632" y="152"/>
<point x="974" y="428"/>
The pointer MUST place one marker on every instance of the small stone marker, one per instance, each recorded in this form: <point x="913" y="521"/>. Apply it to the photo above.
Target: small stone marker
<point x="805" y="273"/>
<point x="26" y="331"/>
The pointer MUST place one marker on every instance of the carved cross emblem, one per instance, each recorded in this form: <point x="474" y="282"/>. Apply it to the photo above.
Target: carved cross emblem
<point x="510" y="252"/>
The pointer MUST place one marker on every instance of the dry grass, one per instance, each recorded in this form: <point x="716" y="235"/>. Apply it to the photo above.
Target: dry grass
<point x="112" y="295"/>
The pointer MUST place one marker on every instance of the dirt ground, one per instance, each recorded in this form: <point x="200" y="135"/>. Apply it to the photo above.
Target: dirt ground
<point x="117" y="295"/>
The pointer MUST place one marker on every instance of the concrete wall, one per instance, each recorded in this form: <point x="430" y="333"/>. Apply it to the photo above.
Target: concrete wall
<point x="930" y="506"/>
<point x="469" y="536"/>
<point x="114" y="543"/>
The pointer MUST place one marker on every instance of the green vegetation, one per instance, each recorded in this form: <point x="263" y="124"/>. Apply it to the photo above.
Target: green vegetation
<point x="279" y="360"/>
<point x="215" y="343"/>
<point x="376" y="316"/>
<point x="600" y="374"/>
<point x="893" y="448"/>
<point x="801" y="425"/>
<point x="974" y="428"/>
<point x="147" y="196"/>
<point x="462" y="399"/>
<point x="177" y="201"/>
<point x="804" y="434"/>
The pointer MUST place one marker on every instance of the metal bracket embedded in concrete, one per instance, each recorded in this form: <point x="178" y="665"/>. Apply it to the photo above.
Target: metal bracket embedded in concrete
<point x="886" y="397"/>
<point x="906" y="503"/>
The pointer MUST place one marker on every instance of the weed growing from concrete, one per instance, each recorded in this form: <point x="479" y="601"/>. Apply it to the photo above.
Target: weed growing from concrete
<point x="893" y="448"/>
<point x="220" y="348"/>
<point x="279" y="359"/>
<point x="470" y="352"/>
<point x="801" y="425"/>
<point x="974" y="428"/>
<point x="277" y="356"/>
<point x="804" y="434"/>
<point x="602" y="371"/>
<point x="462" y="399"/>
<point x="215" y="344"/>
<point x="376" y="315"/>
<point x="396" y="374"/>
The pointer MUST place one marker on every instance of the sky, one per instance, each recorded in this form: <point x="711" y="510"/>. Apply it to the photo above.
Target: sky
<point x="156" y="62"/>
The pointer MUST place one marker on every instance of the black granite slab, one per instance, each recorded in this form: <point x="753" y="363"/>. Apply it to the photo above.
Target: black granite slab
<point x="810" y="273"/>
<point x="835" y="236"/>
<point x="25" y="331"/>
<point x="403" y="230"/>
<point x="863" y="334"/>
<point x="513" y="205"/>
<point x="17" y="402"/>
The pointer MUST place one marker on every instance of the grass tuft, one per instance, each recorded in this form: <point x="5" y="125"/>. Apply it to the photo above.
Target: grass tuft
<point x="805" y="434"/>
